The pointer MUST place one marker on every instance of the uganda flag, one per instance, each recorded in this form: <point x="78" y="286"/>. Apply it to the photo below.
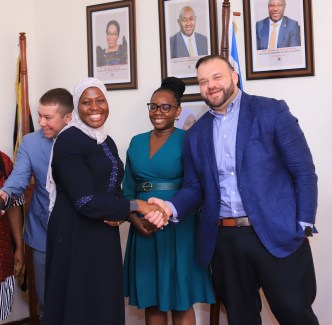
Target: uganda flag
<point x="23" y="120"/>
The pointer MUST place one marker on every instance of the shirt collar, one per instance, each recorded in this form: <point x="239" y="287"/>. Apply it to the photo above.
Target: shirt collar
<point x="187" y="37"/>
<point x="278" y="22"/>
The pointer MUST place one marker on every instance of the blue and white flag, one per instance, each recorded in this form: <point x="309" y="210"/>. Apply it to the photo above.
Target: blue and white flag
<point x="233" y="55"/>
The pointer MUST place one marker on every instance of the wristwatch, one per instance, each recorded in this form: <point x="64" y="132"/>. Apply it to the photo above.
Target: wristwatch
<point x="133" y="206"/>
<point x="308" y="231"/>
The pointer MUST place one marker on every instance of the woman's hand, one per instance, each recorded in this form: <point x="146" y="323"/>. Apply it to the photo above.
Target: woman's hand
<point x="18" y="261"/>
<point x="15" y="221"/>
<point x="142" y="226"/>
<point x="114" y="223"/>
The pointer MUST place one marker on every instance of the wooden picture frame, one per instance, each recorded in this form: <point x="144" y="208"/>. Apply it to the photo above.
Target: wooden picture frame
<point x="293" y="55"/>
<point x="192" y="110"/>
<point x="112" y="44"/>
<point x="175" y="57"/>
<point x="195" y="97"/>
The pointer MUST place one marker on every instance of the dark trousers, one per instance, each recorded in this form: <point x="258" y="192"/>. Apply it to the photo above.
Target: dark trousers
<point x="241" y="265"/>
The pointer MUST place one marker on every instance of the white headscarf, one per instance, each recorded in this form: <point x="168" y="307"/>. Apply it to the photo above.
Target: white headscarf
<point x="99" y="134"/>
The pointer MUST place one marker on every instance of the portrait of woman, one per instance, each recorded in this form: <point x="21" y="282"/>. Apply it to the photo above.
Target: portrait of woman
<point x="114" y="53"/>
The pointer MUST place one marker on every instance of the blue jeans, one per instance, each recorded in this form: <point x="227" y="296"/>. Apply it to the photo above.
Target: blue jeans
<point x="39" y="262"/>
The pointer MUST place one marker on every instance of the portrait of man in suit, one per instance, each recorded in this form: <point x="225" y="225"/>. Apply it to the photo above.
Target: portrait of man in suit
<point x="277" y="30"/>
<point x="186" y="42"/>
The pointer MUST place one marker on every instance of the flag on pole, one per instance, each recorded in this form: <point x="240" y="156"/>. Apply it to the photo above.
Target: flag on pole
<point x="24" y="125"/>
<point x="18" y="115"/>
<point x="233" y="54"/>
<point x="19" y="131"/>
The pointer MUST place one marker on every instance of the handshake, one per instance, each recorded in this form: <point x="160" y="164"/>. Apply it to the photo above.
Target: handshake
<point x="156" y="214"/>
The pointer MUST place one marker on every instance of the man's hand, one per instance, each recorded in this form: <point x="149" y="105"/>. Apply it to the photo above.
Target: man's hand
<point x="146" y="208"/>
<point x="156" y="218"/>
<point x="3" y="200"/>
<point x="162" y="204"/>
<point x="3" y="195"/>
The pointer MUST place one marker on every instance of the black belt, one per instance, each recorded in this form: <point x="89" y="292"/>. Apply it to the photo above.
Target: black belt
<point x="148" y="186"/>
<point x="234" y="222"/>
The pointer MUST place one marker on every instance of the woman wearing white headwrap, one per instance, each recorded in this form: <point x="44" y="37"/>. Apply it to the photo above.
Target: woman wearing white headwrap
<point x="84" y="281"/>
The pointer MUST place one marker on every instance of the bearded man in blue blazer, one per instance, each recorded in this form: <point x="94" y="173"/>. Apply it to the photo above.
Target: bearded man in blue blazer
<point x="32" y="159"/>
<point x="287" y="30"/>
<point x="249" y="169"/>
<point x="187" y="42"/>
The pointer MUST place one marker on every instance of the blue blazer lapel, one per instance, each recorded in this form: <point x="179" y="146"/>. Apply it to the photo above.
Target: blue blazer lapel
<point x="282" y="33"/>
<point x="265" y="34"/>
<point x="207" y="129"/>
<point x="245" y="122"/>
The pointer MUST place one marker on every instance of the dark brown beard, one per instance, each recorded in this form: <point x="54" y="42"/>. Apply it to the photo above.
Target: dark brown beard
<point x="227" y="95"/>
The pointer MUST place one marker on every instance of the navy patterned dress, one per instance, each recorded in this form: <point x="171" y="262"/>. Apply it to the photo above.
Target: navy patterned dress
<point x="84" y="276"/>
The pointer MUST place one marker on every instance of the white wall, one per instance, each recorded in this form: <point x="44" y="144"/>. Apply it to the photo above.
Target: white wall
<point x="57" y="56"/>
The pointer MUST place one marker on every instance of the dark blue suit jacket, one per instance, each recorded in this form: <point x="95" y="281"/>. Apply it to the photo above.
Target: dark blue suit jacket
<point x="275" y="173"/>
<point x="179" y="49"/>
<point x="289" y="33"/>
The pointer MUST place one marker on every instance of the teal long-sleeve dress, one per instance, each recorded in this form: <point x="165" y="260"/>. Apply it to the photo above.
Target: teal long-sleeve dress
<point x="161" y="270"/>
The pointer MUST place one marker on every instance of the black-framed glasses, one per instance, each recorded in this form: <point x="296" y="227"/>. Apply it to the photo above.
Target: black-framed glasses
<point x="164" y="108"/>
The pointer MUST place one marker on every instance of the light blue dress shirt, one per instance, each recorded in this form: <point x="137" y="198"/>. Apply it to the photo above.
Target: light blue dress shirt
<point x="224" y="138"/>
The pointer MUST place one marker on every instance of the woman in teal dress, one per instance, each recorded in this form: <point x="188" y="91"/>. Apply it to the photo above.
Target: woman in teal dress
<point x="161" y="272"/>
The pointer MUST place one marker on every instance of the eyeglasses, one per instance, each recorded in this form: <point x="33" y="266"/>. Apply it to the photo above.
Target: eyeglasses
<point x="164" y="108"/>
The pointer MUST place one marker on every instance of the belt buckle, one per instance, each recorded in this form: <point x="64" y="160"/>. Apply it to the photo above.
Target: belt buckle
<point x="147" y="186"/>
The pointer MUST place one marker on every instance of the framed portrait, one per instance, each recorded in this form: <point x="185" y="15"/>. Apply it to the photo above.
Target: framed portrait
<point x="278" y="48"/>
<point x="194" y="97"/>
<point x="191" y="111"/>
<point x="112" y="44"/>
<point x="187" y="32"/>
